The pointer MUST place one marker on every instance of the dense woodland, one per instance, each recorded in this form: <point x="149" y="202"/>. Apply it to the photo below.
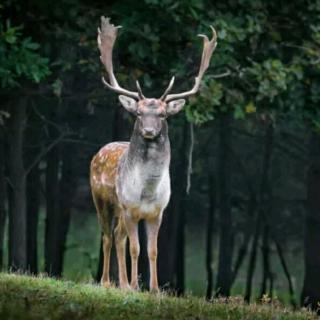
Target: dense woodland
<point x="245" y="164"/>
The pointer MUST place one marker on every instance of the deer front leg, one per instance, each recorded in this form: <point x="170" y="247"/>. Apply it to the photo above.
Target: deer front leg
<point x="153" y="227"/>
<point x="132" y="230"/>
<point x="121" y="240"/>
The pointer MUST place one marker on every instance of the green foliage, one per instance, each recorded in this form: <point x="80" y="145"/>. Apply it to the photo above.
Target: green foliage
<point x="271" y="77"/>
<point x="23" y="297"/>
<point x="270" y="65"/>
<point x="203" y="107"/>
<point x="19" y="57"/>
<point x="265" y="61"/>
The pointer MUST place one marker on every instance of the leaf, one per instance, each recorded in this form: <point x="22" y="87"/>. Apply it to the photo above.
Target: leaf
<point x="28" y="44"/>
<point x="250" y="107"/>
<point x="57" y="87"/>
<point x="222" y="34"/>
<point x="238" y="113"/>
<point x="4" y="114"/>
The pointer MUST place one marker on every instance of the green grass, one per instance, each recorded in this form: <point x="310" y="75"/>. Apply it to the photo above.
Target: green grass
<point x="24" y="297"/>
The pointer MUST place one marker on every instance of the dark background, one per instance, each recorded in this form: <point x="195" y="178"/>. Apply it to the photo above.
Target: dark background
<point x="250" y="223"/>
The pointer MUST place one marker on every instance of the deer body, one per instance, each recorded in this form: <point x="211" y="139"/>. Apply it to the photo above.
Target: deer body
<point x="131" y="181"/>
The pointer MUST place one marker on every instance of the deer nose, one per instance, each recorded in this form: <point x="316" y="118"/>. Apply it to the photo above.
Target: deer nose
<point x="149" y="132"/>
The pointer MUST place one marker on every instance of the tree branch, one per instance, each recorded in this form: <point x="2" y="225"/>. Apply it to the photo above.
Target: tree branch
<point x="45" y="151"/>
<point x="189" y="172"/>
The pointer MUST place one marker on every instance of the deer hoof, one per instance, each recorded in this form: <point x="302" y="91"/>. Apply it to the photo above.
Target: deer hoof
<point x="154" y="290"/>
<point x="135" y="286"/>
<point x="125" y="286"/>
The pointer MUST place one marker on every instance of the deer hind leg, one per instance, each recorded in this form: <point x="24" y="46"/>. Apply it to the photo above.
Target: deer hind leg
<point x="152" y="227"/>
<point x="121" y="241"/>
<point x="105" y="216"/>
<point x="132" y="230"/>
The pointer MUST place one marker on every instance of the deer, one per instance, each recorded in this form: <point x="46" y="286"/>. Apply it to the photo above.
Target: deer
<point x="130" y="181"/>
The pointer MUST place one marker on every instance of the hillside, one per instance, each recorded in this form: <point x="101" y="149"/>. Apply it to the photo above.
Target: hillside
<point x="24" y="297"/>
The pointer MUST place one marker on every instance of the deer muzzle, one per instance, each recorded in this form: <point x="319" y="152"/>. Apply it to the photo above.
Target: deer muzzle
<point x="149" y="133"/>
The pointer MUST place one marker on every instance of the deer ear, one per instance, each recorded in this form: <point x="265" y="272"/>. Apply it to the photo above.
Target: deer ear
<point x="175" y="106"/>
<point x="128" y="103"/>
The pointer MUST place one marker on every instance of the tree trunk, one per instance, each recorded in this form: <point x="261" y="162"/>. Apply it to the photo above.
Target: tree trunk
<point x="166" y="246"/>
<point x="171" y="237"/>
<point x="266" y="271"/>
<point x="225" y="219"/>
<point x="247" y="238"/>
<point x="181" y="207"/>
<point x="286" y="272"/>
<point x="209" y="240"/>
<point x="3" y="212"/>
<point x="33" y="193"/>
<point x="311" y="287"/>
<point x="186" y="152"/>
<point x="252" y="259"/>
<point x="33" y="207"/>
<point x="67" y="186"/>
<point x="17" y="179"/>
<point x="52" y="207"/>
<point x="180" y="252"/>
<point x="263" y="203"/>
<point x="59" y="203"/>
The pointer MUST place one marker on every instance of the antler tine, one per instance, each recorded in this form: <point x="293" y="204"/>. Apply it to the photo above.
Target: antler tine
<point x="208" y="48"/>
<point x="106" y="39"/>
<point x="141" y="96"/>
<point x="163" y="97"/>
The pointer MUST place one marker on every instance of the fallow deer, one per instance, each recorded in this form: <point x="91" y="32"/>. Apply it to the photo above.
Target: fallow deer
<point x="130" y="181"/>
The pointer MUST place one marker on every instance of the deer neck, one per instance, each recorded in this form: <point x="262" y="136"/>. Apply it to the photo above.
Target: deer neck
<point x="154" y="152"/>
<point x="144" y="171"/>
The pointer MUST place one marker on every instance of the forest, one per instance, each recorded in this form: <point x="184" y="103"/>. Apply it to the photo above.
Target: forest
<point x="244" y="213"/>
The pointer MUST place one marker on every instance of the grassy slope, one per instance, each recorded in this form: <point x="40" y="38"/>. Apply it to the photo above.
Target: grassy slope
<point x="23" y="297"/>
<point x="84" y="242"/>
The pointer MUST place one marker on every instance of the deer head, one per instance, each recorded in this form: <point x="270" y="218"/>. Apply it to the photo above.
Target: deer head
<point x="150" y="113"/>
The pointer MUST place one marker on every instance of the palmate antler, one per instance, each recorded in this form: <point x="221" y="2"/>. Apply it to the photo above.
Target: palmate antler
<point x="208" y="48"/>
<point x="106" y="39"/>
